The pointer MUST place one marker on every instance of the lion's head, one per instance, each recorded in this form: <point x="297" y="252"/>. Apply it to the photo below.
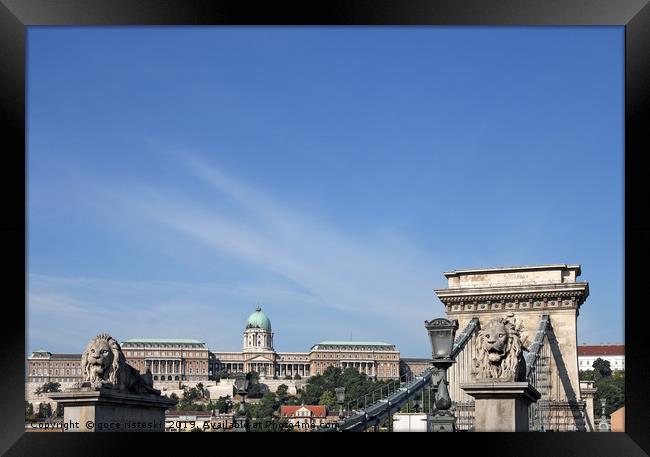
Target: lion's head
<point x="499" y="350"/>
<point x="102" y="360"/>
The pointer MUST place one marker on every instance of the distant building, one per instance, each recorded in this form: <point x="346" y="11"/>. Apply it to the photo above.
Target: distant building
<point x="378" y="360"/>
<point x="618" y="420"/>
<point x="413" y="366"/>
<point x="613" y="353"/>
<point x="173" y="361"/>
<point x="305" y="417"/>
<point x="170" y="360"/>
<point x="44" y="366"/>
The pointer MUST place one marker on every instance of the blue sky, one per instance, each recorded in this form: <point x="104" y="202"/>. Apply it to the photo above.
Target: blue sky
<point x="177" y="177"/>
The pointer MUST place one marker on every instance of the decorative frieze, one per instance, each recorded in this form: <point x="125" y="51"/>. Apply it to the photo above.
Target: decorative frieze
<point x="512" y="302"/>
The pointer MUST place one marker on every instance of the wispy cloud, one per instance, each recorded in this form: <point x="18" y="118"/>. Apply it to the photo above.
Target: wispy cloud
<point x="377" y="273"/>
<point x="374" y="285"/>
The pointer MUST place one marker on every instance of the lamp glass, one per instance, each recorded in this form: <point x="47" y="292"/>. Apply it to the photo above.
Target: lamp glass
<point x="441" y="333"/>
<point x="441" y="341"/>
<point x="241" y="382"/>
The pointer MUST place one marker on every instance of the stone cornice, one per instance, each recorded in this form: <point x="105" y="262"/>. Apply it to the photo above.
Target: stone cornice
<point x="526" y="289"/>
<point x="520" y="298"/>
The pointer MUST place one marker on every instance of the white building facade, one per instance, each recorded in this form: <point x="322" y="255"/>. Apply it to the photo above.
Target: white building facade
<point x="613" y="353"/>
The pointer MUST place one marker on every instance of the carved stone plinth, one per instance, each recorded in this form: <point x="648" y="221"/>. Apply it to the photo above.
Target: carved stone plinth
<point x="107" y="410"/>
<point x="501" y="406"/>
<point x="443" y="423"/>
<point x="240" y="424"/>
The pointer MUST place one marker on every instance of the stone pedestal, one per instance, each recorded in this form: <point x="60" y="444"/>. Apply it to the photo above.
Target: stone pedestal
<point x="240" y="424"/>
<point x="501" y="406"/>
<point x="443" y="422"/>
<point x="106" y="410"/>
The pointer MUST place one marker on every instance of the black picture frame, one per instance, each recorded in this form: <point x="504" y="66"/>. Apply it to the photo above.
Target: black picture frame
<point x="634" y="15"/>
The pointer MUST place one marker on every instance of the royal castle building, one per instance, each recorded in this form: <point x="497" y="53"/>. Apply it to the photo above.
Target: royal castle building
<point x="175" y="360"/>
<point x="377" y="360"/>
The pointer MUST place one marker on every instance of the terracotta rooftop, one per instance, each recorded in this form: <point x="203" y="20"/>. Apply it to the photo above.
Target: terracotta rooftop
<point x="316" y="410"/>
<point x="601" y="349"/>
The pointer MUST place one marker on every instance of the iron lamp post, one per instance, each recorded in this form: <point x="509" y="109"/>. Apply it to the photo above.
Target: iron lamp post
<point x="340" y="399"/>
<point x="441" y="335"/>
<point x="604" y="424"/>
<point x="241" y="388"/>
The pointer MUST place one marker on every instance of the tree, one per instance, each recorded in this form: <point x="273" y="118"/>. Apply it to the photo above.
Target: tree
<point x="224" y="404"/>
<point x="613" y="390"/>
<point x="44" y="410"/>
<point x="189" y="401"/>
<point x="602" y="368"/>
<point x="587" y="375"/>
<point x="29" y="410"/>
<point x="191" y="394"/>
<point x="222" y="374"/>
<point x="261" y="414"/>
<point x="281" y="391"/>
<point x="254" y="387"/>
<point x="201" y="390"/>
<point x="48" y="387"/>
<point x="287" y="376"/>
<point x="327" y="399"/>
<point x="356" y="385"/>
<point x="173" y="396"/>
<point x="297" y="376"/>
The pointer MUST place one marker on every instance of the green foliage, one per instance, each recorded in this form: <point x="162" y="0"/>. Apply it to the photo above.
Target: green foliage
<point x="173" y="396"/>
<point x="327" y="399"/>
<point x="254" y="387"/>
<point x="613" y="390"/>
<point x="190" y="394"/>
<point x="44" y="411"/>
<point x="587" y="375"/>
<point x="297" y="376"/>
<point x="29" y="411"/>
<point x="191" y="400"/>
<point x="292" y="401"/>
<point x="48" y="387"/>
<point x="201" y="390"/>
<point x="264" y="408"/>
<point x="602" y="369"/>
<point x="356" y="385"/>
<point x="262" y="415"/>
<point x="288" y="376"/>
<point x="222" y="374"/>
<point x="282" y="390"/>
<point x="224" y="404"/>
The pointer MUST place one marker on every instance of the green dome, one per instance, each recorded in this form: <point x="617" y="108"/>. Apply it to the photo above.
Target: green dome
<point x="258" y="320"/>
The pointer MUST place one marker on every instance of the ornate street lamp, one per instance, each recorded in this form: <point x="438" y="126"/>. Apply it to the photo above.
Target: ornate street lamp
<point x="340" y="399"/>
<point x="241" y="389"/>
<point x="603" y="424"/>
<point x="441" y="334"/>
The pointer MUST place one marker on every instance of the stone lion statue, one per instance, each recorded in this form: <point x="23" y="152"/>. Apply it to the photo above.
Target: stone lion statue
<point x="499" y="351"/>
<point x="103" y="365"/>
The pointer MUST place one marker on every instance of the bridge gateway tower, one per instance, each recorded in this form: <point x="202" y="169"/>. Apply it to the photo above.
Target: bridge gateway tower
<point x="529" y="292"/>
